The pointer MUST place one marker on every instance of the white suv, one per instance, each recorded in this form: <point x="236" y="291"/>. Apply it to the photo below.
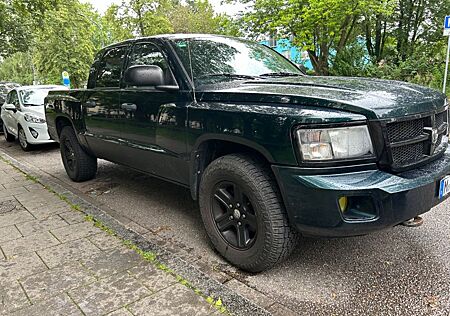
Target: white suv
<point x="23" y="115"/>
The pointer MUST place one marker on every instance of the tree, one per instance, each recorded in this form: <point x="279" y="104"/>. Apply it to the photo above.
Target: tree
<point x="196" y="16"/>
<point x="145" y="18"/>
<point x="14" y="31"/>
<point x="321" y="27"/>
<point x="66" y="42"/>
<point x="117" y="25"/>
<point x="18" y="20"/>
<point x="17" y="68"/>
<point x="418" y="21"/>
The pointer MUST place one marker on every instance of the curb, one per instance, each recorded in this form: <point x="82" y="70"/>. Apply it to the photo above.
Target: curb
<point x="233" y="302"/>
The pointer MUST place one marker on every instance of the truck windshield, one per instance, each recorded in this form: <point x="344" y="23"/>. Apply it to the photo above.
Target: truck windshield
<point x="225" y="59"/>
<point x="33" y="97"/>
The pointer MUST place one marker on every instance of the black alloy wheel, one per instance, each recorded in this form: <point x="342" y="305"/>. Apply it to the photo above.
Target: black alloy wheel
<point x="69" y="155"/>
<point x="243" y="213"/>
<point x="234" y="215"/>
<point x="80" y="166"/>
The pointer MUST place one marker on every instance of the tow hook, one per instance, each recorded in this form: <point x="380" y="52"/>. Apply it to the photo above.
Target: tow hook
<point x="413" y="222"/>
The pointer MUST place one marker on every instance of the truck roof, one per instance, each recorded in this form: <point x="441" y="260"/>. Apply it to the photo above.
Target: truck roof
<point x="168" y="37"/>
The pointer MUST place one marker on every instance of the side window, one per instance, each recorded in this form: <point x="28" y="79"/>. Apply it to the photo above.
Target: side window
<point x="93" y="70"/>
<point x="109" y="69"/>
<point x="148" y="54"/>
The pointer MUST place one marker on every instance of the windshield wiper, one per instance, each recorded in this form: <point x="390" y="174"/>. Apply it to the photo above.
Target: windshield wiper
<point x="228" y="75"/>
<point x="282" y="74"/>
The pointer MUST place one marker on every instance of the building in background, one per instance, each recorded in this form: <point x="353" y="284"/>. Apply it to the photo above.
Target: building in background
<point x="285" y="48"/>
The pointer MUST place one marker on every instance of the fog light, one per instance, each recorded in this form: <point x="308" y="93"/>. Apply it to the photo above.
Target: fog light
<point x="34" y="133"/>
<point x="343" y="203"/>
<point x="358" y="208"/>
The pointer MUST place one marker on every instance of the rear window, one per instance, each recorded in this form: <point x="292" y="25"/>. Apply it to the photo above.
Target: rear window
<point x="109" y="70"/>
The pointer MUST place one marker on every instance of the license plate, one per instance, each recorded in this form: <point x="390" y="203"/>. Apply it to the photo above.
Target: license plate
<point x="444" y="187"/>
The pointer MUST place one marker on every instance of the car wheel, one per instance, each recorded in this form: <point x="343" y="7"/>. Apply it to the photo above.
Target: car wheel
<point x="23" y="139"/>
<point x="9" y="137"/>
<point x="243" y="213"/>
<point x="79" y="165"/>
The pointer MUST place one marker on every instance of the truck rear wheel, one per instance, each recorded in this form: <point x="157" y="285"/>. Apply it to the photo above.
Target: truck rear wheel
<point x="243" y="213"/>
<point x="79" y="165"/>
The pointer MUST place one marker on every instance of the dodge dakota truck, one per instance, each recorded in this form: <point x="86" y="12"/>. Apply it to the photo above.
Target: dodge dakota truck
<point x="269" y="153"/>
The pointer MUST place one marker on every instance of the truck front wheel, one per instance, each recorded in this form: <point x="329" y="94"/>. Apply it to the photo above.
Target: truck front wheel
<point x="79" y="165"/>
<point x="243" y="213"/>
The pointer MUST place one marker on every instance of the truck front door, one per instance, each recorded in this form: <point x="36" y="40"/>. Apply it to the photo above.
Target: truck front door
<point x="154" y="125"/>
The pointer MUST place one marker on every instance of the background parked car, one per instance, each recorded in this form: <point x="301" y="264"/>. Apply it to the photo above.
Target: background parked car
<point x="23" y="115"/>
<point x="5" y="87"/>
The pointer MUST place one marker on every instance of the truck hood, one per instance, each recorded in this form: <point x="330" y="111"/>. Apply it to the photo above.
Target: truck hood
<point x="373" y="98"/>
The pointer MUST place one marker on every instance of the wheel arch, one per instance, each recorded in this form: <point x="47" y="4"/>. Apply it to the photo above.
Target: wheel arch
<point x="62" y="121"/>
<point x="210" y="147"/>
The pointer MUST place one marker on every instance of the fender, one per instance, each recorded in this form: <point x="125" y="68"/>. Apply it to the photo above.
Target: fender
<point x="200" y="156"/>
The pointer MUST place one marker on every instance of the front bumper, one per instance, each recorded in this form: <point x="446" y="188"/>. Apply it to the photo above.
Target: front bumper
<point x="312" y="200"/>
<point x="42" y="133"/>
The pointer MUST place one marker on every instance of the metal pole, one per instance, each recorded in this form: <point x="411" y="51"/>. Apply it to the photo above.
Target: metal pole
<point x="446" y="66"/>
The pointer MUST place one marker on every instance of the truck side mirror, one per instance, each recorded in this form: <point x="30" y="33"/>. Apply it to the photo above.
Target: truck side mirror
<point x="144" y="76"/>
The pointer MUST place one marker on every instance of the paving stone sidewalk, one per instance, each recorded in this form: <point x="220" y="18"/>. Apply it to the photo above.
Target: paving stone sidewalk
<point x="54" y="262"/>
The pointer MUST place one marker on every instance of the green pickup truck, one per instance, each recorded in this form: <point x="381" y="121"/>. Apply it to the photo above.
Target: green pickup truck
<point x="270" y="153"/>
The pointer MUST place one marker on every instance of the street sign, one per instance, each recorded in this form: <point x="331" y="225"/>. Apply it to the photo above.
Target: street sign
<point x="66" y="79"/>
<point x="447" y="26"/>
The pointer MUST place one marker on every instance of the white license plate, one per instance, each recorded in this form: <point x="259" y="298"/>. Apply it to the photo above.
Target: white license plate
<point x="444" y="187"/>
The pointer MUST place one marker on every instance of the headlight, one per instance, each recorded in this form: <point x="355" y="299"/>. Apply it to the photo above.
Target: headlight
<point x="335" y="143"/>
<point x="33" y="119"/>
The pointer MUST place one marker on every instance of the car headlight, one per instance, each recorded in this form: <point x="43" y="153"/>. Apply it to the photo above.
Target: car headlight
<point x="33" y="119"/>
<point x="335" y="143"/>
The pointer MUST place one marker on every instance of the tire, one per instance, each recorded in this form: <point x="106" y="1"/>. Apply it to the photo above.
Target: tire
<point x="259" y="218"/>
<point x="8" y="137"/>
<point x="23" y="142"/>
<point x="79" y="165"/>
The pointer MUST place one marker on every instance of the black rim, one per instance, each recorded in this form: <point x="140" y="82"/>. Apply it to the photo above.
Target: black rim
<point x="69" y="155"/>
<point x="234" y="215"/>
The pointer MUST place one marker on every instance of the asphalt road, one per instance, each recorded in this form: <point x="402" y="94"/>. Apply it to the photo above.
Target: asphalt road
<point x="400" y="271"/>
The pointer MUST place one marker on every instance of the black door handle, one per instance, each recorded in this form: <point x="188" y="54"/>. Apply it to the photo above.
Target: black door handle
<point x="129" y="106"/>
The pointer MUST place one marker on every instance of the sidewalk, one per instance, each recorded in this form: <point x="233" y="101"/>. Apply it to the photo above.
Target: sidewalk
<point x="55" y="262"/>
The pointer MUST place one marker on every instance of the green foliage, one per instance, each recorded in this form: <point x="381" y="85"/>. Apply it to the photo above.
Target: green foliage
<point x="66" y="42"/>
<point x="393" y="39"/>
<point x="17" y="68"/>
<point x="318" y="26"/>
<point x="14" y="31"/>
<point x="197" y="16"/>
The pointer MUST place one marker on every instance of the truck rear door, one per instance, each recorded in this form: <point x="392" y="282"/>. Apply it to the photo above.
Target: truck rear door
<point x="103" y="113"/>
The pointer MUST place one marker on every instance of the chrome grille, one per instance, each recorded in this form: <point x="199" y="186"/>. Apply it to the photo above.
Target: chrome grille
<point x="411" y="141"/>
